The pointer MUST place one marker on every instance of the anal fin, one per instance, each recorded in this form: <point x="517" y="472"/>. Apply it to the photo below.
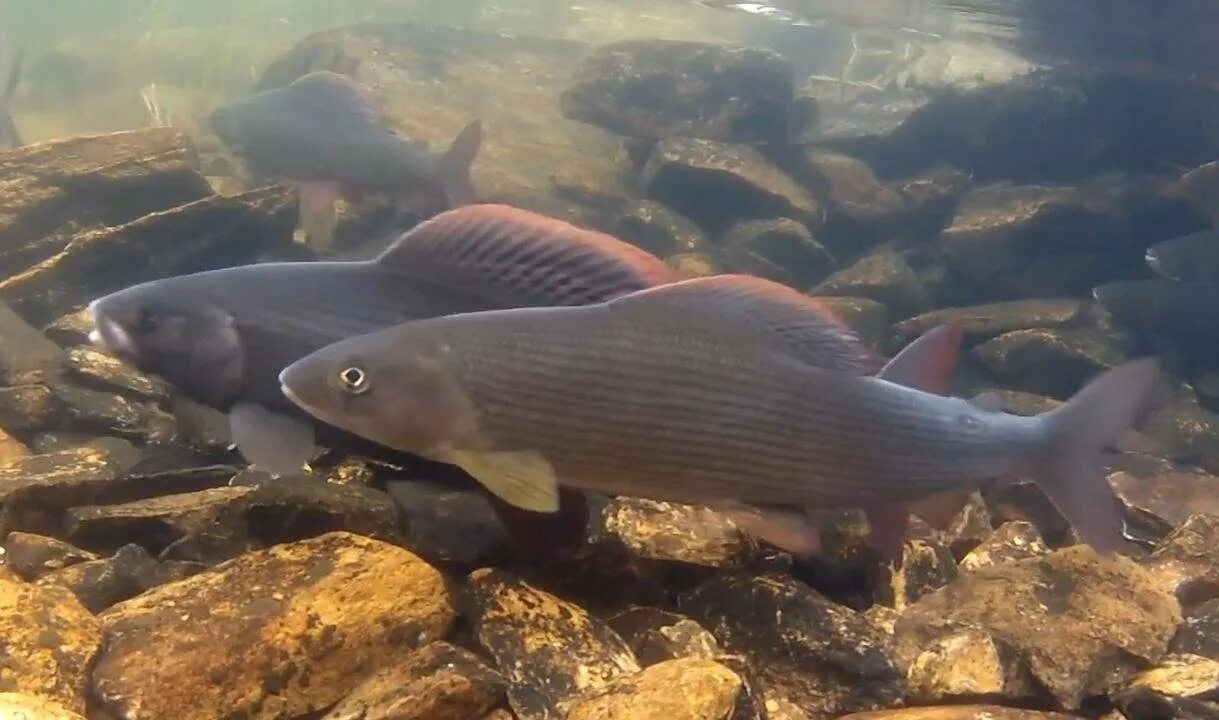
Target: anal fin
<point x="523" y="478"/>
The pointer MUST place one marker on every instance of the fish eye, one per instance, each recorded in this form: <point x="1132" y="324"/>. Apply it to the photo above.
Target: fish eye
<point x="354" y="380"/>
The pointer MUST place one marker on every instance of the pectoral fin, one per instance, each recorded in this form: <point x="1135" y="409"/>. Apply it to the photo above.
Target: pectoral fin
<point x="793" y="532"/>
<point x="279" y="444"/>
<point x="522" y="478"/>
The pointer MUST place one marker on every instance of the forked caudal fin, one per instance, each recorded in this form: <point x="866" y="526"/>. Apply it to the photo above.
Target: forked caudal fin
<point x="1079" y="434"/>
<point x="456" y="162"/>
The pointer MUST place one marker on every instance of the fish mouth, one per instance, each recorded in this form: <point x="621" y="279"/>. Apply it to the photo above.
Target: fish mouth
<point x="111" y="335"/>
<point x="1153" y="261"/>
<point x="296" y="399"/>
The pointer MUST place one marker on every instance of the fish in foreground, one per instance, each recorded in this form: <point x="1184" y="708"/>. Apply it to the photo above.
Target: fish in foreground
<point x="9" y="137"/>
<point x="1193" y="257"/>
<point x="321" y="133"/>
<point x="682" y="393"/>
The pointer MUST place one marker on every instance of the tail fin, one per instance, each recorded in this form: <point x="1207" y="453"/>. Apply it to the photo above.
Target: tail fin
<point x="1081" y="433"/>
<point x="456" y="162"/>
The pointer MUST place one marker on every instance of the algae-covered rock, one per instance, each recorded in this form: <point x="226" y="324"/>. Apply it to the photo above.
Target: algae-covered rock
<point x="1199" y="635"/>
<point x="780" y="249"/>
<point x="674" y="532"/>
<point x="1186" y="562"/>
<point x="549" y="650"/>
<point x="716" y="184"/>
<point x="442" y="524"/>
<point x="275" y="633"/>
<point x="68" y="474"/>
<point x="692" y="265"/>
<point x="113" y="374"/>
<point x="682" y="689"/>
<point x="105" y="413"/>
<point x="982" y="322"/>
<point x="1012" y="241"/>
<point x="656" y="635"/>
<point x="1188" y="432"/>
<point x="824" y="657"/>
<point x="868" y="318"/>
<point x="849" y="189"/>
<point x="24" y="706"/>
<point x="1181" y="676"/>
<point x="213" y="232"/>
<point x="883" y="276"/>
<point x="32" y="556"/>
<point x="970" y="665"/>
<point x="926" y="565"/>
<point x="28" y="407"/>
<point x="959" y="712"/>
<point x="655" y="88"/>
<point x="436" y="682"/>
<point x="1166" y="500"/>
<point x="100" y="583"/>
<point x="1084" y="623"/>
<point x="1054" y="362"/>
<point x="50" y="642"/>
<point x="656" y="228"/>
<point x="1015" y="540"/>
<point x="931" y="197"/>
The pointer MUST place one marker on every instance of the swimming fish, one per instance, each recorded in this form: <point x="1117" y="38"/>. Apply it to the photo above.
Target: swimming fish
<point x="1193" y="257"/>
<point x="683" y="393"/>
<point x="1185" y="314"/>
<point x="9" y="137"/>
<point x="321" y="133"/>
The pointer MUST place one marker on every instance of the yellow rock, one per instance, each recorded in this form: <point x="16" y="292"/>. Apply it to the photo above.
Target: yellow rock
<point x="50" y="641"/>
<point x="958" y="712"/>
<point x="19" y="706"/>
<point x="683" y="689"/>
<point x="272" y="634"/>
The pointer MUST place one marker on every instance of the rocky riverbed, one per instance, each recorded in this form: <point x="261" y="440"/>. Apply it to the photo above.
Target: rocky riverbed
<point x="147" y="574"/>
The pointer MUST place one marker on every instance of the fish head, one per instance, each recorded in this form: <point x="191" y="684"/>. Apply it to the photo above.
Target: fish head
<point x="394" y="393"/>
<point x="163" y="332"/>
<point x="227" y="123"/>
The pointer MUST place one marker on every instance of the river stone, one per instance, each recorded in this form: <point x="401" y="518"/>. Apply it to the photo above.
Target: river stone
<point x="869" y="319"/>
<point x="1199" y="635"/>
<point x="50" y="642"/>
<point x="22" y="706"/>
<point x="1083" y="622"/>
<point x="649" y="225"/>
<point x="883" y="276"/>
<point x="970" y="665"/>
<point x="1054" y="362"/>
<point x="780" y="249"/>
<point x="959" y="712"/>
<point x="1165" y="500"/>
<point x="1015" y="540"/>
<point x="673" y="532"/>
<point x="655" y="88"/>
<point x="1200" y="187"/>
<point x="28" y="407"/>
<point x="682" y="689"/>
<point x="115" y="375"/>
<point x="849" y="188"/>
<point x="693" y="265"/>
<point x="656" y="635"/>
<point x="716" y="184"/>
<point x="1186" y="562"/>
<point x="436" y="682"/>
<point x="275" y="633"/>
<point x="548" y="649"/>
<point x="32" y="556"/>
<point x="982" y="322"/>
<point x="100" y="583"/>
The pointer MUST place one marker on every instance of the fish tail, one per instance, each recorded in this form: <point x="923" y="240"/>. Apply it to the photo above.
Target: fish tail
<point x="1080" y="434"/>
<point x="456" y="162"/>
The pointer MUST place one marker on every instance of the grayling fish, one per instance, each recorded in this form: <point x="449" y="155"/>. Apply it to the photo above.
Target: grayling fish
<point x="683" y="393"/>
<point x="9" y="137"/>
<point x="1185" y="314"/>
<point x="320" y="133"/>
<point x="1193" y="257"/>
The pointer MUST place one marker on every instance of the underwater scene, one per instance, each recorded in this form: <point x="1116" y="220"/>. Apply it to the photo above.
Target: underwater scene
<point x="609" y="360"/>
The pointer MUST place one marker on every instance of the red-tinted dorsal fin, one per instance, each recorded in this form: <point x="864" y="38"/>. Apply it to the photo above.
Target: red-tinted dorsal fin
<point x="799" y="325"/>
<point x="928" y="362"/>
<point x="518" y="258"/>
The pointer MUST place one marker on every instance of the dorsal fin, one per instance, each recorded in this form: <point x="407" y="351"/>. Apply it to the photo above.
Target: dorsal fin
<point x="928" y="362"/>
<point x="802" y="326"/>
<point x="519" y="258"/>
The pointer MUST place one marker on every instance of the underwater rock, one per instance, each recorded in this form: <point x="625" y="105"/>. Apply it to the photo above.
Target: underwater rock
<point x="982" y="322"/>
<point x="868" y="318"/>
<point x="50" y="642"/>
<point x="32" y="556"/>
<point x="111" y="373"/>
<point x="825" y="658"/>
<point x="218" y="523"/>
<point x="1199" y="634"/>
<point x="110" y="414"/>
<point x="781" y="249"/>
<point x="692" y="265"/>
<point x="970" y="666"/>
<point x="649" y="225"/>
<point x="279" y="632"/>
<point x="1054" y="362"/>
<point x="883" y="276"/>
<point x="959" y="712"/>
<point x="23" y="706"/>
<point x="672" y="532"/>
<point x="926" y="565"/>
<point x="656" y="635"/>
<point x="1200" y="187"/>
<point x="549" y="650"/>
<point x="214" y="232"/>
<point x="449" y="526"/>
<point x="71" y="330"/>
<point x="67" y="476"/>
<point x="26" y="355"/>
<point x="1188" y="432"/>
<point x="681" y="689"/>
<point x="436" y="682"/>
<point x="1059" y="124"/>
<point x="98" y="584"/>
<point x="1179" y="676"/>
<point x="931" y="198"/>
<point x="849" y="189"/>
<point x="654" y="89"/>
<point x="850" y="118"/>
<point x="28" y="407"/>
<point x="1162" y="501"/>
<point x="716" y="184"/>
<point x="1019" y="241"/>
<point x="54" y="189"/>
<point x="1083" y="622"/>
<point x="1015" y="540"/>
<point x="1186" y="562"/>
<point x="430" y="95"/>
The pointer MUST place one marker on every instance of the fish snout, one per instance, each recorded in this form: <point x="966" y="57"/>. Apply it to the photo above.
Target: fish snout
<point x="110" y="334"/>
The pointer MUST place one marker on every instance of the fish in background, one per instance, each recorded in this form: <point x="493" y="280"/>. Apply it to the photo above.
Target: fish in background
<point x="687" y="393"/>
<point x="1190" y="258"/>
<point x="223" y="336"/>
<point x="321" y="133"/>
<point x="9" y="137"/>
<point x="1169" y="315"/>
